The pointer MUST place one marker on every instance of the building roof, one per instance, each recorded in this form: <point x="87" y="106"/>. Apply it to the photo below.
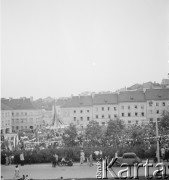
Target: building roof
<point x="5" y="107"/>
<point x="19" y="104"/>
<point x="61" y="101"/>
<point x="78" y="101"/>
<point x="131" y="96"/>
<point x="157" y="94"/>
<point x="105" y="99"/>
<point x="165" y="82"/>
<point x="134" y="87"/>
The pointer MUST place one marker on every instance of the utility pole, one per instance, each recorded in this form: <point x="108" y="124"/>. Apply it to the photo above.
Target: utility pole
<point x="157" y="137"/>
<point x="158" y="148"/>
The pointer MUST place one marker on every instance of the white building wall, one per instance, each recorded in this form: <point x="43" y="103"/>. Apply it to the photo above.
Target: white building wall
<point x="77" y="115"/>
<point x="133" y="113"/>
<point x="103" y="113"/>
<point x="6" y="121"/>
<point x="155" y="109"/>
<point x="24" y="119"/>
<point x="140" y="113"/>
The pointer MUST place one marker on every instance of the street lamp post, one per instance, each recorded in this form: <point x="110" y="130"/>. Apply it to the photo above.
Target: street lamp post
<point x="157" y="138"/>
<point x="158" y="149"/>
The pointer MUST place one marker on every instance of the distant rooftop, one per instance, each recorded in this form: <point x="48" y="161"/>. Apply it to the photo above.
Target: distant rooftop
<point x="131" y="96"/>
<point x="105" y="99"/>
<point x="157" y="94"/>
<point x="165" y="82"/>
<point x="77" y="101"/>
<point x="5" y="107"/>
<point x="18" y="104"/>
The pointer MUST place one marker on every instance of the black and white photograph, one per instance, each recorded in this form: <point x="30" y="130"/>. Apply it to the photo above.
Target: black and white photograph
<point x="84" y="89"/>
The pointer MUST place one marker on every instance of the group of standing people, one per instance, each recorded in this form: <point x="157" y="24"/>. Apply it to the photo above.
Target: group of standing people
<point x="55" y="160"/>
<point x="98" y="155"/>
<point x="9" y="160"/>
<point x="165" y="153"/>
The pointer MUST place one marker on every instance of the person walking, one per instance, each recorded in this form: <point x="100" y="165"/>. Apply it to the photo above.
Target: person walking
<point x="57" y="159"/>
<point x="116" y="154"/>
<point x="22" y="159"/>
<point x="100" y="154"/>
<point x="16" y="176"/>
<point x="7" y="160"/>
<point x="163" y="153"/>
<point x="82" y="157"/>
<point x="10" y="159"/>
<point x="91" y="160"/>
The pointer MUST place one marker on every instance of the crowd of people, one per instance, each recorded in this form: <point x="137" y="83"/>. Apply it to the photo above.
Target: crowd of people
<point x="165" y="153"/>
<point x="64" y="160"/>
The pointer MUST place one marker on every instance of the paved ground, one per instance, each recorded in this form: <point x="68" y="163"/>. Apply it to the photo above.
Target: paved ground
<point x="45" y="171"/>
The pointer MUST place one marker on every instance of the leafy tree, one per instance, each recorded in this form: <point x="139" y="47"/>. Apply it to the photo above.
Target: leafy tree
<point x="70" y="135"/>
<point x="164" y="122"/>
<point x="137" y="134"/>
<point x="93" y="133"/>
<point x="114" y="132"/>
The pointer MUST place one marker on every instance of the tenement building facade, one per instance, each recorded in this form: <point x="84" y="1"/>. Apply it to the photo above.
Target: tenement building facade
<point x="157" y="103"/>
<point x="23" y="114"/>
<point x="133" y="107"/>
<point x="78" y="110"/>
<point x="6" y="119"/>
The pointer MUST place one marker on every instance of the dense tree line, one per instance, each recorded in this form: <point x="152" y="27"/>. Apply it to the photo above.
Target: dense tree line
<point x="109" y="139"/>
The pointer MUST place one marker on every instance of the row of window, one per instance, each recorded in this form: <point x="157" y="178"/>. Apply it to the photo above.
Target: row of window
<point x="115" y="115"/>
<point x="129" y="122"/>
<point x="156" y="111"/>
<point x="103" y="116"/>
<point x="102" y="108"/>
<point x="81" y="118"/>
<point x="5" y="114"/>
<point x="25" y="113"/>
<point x="157" y="104"/>
<point x="18" y="114"/>
<point x="81" y="111"/>
<point x="21" y="127"/>
<point x="151" y="119"/>
<point x="135" y="107"/>
<point x="106" y="108"/>
<point x="128" y="107"/>
<point x="6" y="123"/>
<point x="23" y="120"/>
<point x="129" y="114"/>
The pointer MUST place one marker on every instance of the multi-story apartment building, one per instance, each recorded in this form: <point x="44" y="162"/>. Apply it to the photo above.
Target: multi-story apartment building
<point x="24" y="115"/>
<point x="157" y="101"/>
<point x="6" y="119"/>
<point x="105" y="107"/>
<point x="78" y="110"/>
<point x="132" y="107"/>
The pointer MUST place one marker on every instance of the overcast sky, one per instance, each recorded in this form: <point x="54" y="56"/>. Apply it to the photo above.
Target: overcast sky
<point x="61" y="47"/>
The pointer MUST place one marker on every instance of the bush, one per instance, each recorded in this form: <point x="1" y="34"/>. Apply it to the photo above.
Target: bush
<point x="45" y="155"/>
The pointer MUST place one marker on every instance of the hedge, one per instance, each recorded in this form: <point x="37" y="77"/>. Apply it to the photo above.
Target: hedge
<point x="45" y="155"/>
